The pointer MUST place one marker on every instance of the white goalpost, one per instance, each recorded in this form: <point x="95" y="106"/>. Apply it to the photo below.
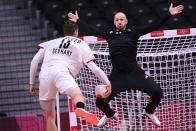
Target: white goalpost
<point x="169" y="57"/>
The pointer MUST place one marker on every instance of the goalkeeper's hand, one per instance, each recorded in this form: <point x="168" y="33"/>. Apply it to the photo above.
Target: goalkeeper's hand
<point x="73" y="17"/>
<point x="32" y="89"/>
<point x="108" y="91"/>
<point x="175" y="10"/>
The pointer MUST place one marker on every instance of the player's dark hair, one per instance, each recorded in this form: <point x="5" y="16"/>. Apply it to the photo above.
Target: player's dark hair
<point x="69" y="28"/>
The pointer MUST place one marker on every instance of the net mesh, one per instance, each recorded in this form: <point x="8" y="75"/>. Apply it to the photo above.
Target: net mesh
<point x="171" y="62"/>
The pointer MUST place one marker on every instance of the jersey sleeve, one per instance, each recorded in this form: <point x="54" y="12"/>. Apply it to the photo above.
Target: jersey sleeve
<point x="87" y="54"/>
<point x="147" y="29"/>
<point x="34" y="65"/>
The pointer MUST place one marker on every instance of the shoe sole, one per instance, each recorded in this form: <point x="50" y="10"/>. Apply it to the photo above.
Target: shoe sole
<point x="152" y="120"/>
<point x="90" y="118"/>
<point x="115" y="117"/>
<point x="103" y="121"/>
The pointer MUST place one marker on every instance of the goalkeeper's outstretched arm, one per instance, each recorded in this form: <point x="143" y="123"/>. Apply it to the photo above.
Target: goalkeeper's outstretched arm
<point x="173" y="10"/>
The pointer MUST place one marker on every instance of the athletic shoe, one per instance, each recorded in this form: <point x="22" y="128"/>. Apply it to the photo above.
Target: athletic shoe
<point x="90" y="118"/>
<point x="104" y="119"/>
<point x="153" y="118"/>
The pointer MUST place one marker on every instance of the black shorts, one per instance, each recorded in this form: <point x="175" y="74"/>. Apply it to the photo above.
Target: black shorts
<point x="135" y="80"/>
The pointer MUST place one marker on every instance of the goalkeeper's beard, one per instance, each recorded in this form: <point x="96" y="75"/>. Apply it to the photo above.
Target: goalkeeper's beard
<point x="120" y="27"/>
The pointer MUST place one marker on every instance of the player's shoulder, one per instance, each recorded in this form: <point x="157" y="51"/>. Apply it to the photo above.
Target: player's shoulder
<point x="76" y="40"/>
<point x="82" y="41"/>
<point x="56" y="40"/>
<point x="49" y="42"/>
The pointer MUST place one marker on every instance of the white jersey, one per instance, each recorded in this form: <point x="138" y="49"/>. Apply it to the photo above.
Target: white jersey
<point x="66" y="53"/>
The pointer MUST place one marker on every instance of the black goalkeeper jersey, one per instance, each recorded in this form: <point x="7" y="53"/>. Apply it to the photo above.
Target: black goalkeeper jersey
<point x="122" y="44"/>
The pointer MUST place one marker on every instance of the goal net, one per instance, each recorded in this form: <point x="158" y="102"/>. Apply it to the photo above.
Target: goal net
<point x="169" y="57"/>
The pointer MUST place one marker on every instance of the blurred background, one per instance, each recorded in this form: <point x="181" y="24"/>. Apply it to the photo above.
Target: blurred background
<point x="100" y="12"/>
<point x="26" y="23"/>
